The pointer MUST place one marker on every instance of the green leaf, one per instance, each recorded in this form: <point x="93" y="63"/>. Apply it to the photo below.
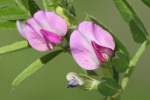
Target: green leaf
<point x="108" y="87"/>
<point x="137" y="30"/>
<point x="139" y="33"/>
<point x="14" y="47"/>
<point x="146" y="2"/>
<point x="34" y="67"/>
<point x="120" y="62"/>
<point x="9" y="11"/>
<point x="7" y="24"/>
<point x="29" y="5"/>
<point x="119" y="45"/>
<point x="68" y="5"/>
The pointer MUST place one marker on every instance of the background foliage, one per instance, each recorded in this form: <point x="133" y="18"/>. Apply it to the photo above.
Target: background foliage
<point x="43" y="84"/>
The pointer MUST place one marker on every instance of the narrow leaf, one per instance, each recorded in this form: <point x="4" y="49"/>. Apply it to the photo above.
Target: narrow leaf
<point x="14" y="47"/>
<point x="68" y="5"/>
<point x="9" y="11"/>
<point x="7" y="24"/>
<point x="34" y="67"/>
<point x="146" y="2"/>
<point x="28" y="5"/>
<point x="138" y="30"/>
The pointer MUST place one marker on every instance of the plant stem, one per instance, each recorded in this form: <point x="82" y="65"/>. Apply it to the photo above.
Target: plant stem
<point x="45" y="4"/>
<point x="133" y="63"/>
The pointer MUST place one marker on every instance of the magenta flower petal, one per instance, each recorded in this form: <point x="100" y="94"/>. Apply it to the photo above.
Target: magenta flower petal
<point x="91" y="45"/>
<point x="34" y="26"/>
<point x="36" y="41"/>
<point x="40" y="19"/>
<point x="102" y="53"/>
<point x="82" y="52"/>
<point x="44" y="30"/>
<point x="51" y="22"/>
<point x="51" y="37"/>
<point x="97" y="33"/>
<point x="58" y="24"/>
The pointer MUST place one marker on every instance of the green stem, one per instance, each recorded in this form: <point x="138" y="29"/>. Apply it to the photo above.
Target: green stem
<point x="45" y="4"/>
<point x="133" y="63"/>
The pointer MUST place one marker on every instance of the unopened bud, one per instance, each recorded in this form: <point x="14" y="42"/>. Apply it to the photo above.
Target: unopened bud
<point x="60" y="11"/>
<point x="83" y="81"/>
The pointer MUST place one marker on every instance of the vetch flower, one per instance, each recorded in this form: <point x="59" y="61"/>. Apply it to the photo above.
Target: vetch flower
<point x="44" y="30"/>
<point x="91" y="45"/>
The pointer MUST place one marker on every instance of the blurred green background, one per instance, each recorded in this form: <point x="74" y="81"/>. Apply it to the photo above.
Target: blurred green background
<point x="50" y="83"/>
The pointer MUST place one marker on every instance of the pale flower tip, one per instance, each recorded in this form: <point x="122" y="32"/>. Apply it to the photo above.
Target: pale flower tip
<point x="82" y="81"/>
<point x="74" y="79"/>
<point x="20" y="27"/>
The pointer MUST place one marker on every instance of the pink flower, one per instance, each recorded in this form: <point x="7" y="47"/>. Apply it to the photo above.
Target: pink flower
<point x="44" y="30"/>
<point x="91" y="45"/>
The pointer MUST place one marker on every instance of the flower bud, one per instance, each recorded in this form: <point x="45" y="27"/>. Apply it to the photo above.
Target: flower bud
<point x="60" y="12"/>
<point x="82" y="81"/>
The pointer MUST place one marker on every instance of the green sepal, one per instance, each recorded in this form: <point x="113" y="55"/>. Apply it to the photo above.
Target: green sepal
<point x="108" y="87"/>
<point x="120" y="62"/>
